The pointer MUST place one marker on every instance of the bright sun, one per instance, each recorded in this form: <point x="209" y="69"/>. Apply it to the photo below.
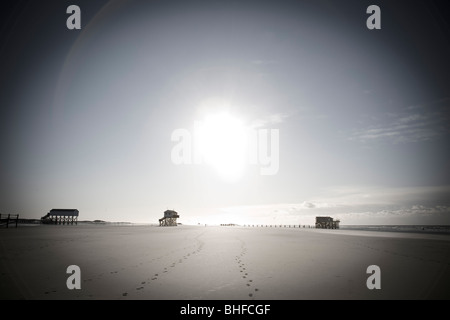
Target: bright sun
<point x="222" y="142"/>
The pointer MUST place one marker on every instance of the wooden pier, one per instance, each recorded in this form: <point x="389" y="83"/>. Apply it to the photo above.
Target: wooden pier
<point x="7" y="219"/>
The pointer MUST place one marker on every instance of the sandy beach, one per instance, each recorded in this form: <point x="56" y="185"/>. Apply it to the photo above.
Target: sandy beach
<point x="198" y="262"/>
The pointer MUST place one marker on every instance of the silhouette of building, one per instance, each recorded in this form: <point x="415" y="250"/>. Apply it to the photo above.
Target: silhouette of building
<point x="169" y="219"/>
<point x="326" y="223"/>
<point x="61" y="216"/>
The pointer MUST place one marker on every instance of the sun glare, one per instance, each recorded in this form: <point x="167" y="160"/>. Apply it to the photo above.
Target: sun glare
<point x="222" y="142"/>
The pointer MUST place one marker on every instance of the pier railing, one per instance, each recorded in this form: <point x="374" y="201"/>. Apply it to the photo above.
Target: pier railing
<point x="7" y="219"/>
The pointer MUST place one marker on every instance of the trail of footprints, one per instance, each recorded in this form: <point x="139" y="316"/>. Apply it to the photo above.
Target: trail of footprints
<point x="244" y="272"/>
<point x="197" y="248"/>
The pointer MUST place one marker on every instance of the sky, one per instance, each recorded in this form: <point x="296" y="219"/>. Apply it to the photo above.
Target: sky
<point x="248" y="112"/>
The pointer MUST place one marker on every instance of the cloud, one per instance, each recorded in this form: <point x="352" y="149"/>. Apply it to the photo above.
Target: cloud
<point x="316" y="205"/>
<point x="282" y="207"/>
<point x="354" y="205"/>
<point x="309" y="205"/>
<point x="305" y="213"/>
<point x="424" y="124"/>
<point x="424" y="210"/>
<point x="418" y="214"/>
<point x="374" y="197"/>
<point x="271" y="119"/>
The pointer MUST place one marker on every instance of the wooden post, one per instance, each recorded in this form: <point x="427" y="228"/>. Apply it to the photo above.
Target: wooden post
<point x="7" y="221"/>
<point x="17" y="220"/>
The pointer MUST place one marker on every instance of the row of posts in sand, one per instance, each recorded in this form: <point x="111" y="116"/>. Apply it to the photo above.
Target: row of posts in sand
<point x="321" y="223"/>
<point x="278" y="226"/>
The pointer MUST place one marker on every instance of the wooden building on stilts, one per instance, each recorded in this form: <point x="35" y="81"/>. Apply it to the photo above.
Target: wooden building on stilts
<point x="169" y="219"/>
<point x="61" y="216"/>
<point x="327" y="223"/>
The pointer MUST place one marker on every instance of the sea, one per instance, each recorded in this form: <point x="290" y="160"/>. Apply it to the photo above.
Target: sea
<point x="436" y="229"/>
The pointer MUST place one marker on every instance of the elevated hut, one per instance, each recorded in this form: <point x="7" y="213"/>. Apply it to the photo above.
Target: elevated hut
<point x="169" y="219"/>
<point x="61" y="216"/>
<point x="327" y="223"/>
